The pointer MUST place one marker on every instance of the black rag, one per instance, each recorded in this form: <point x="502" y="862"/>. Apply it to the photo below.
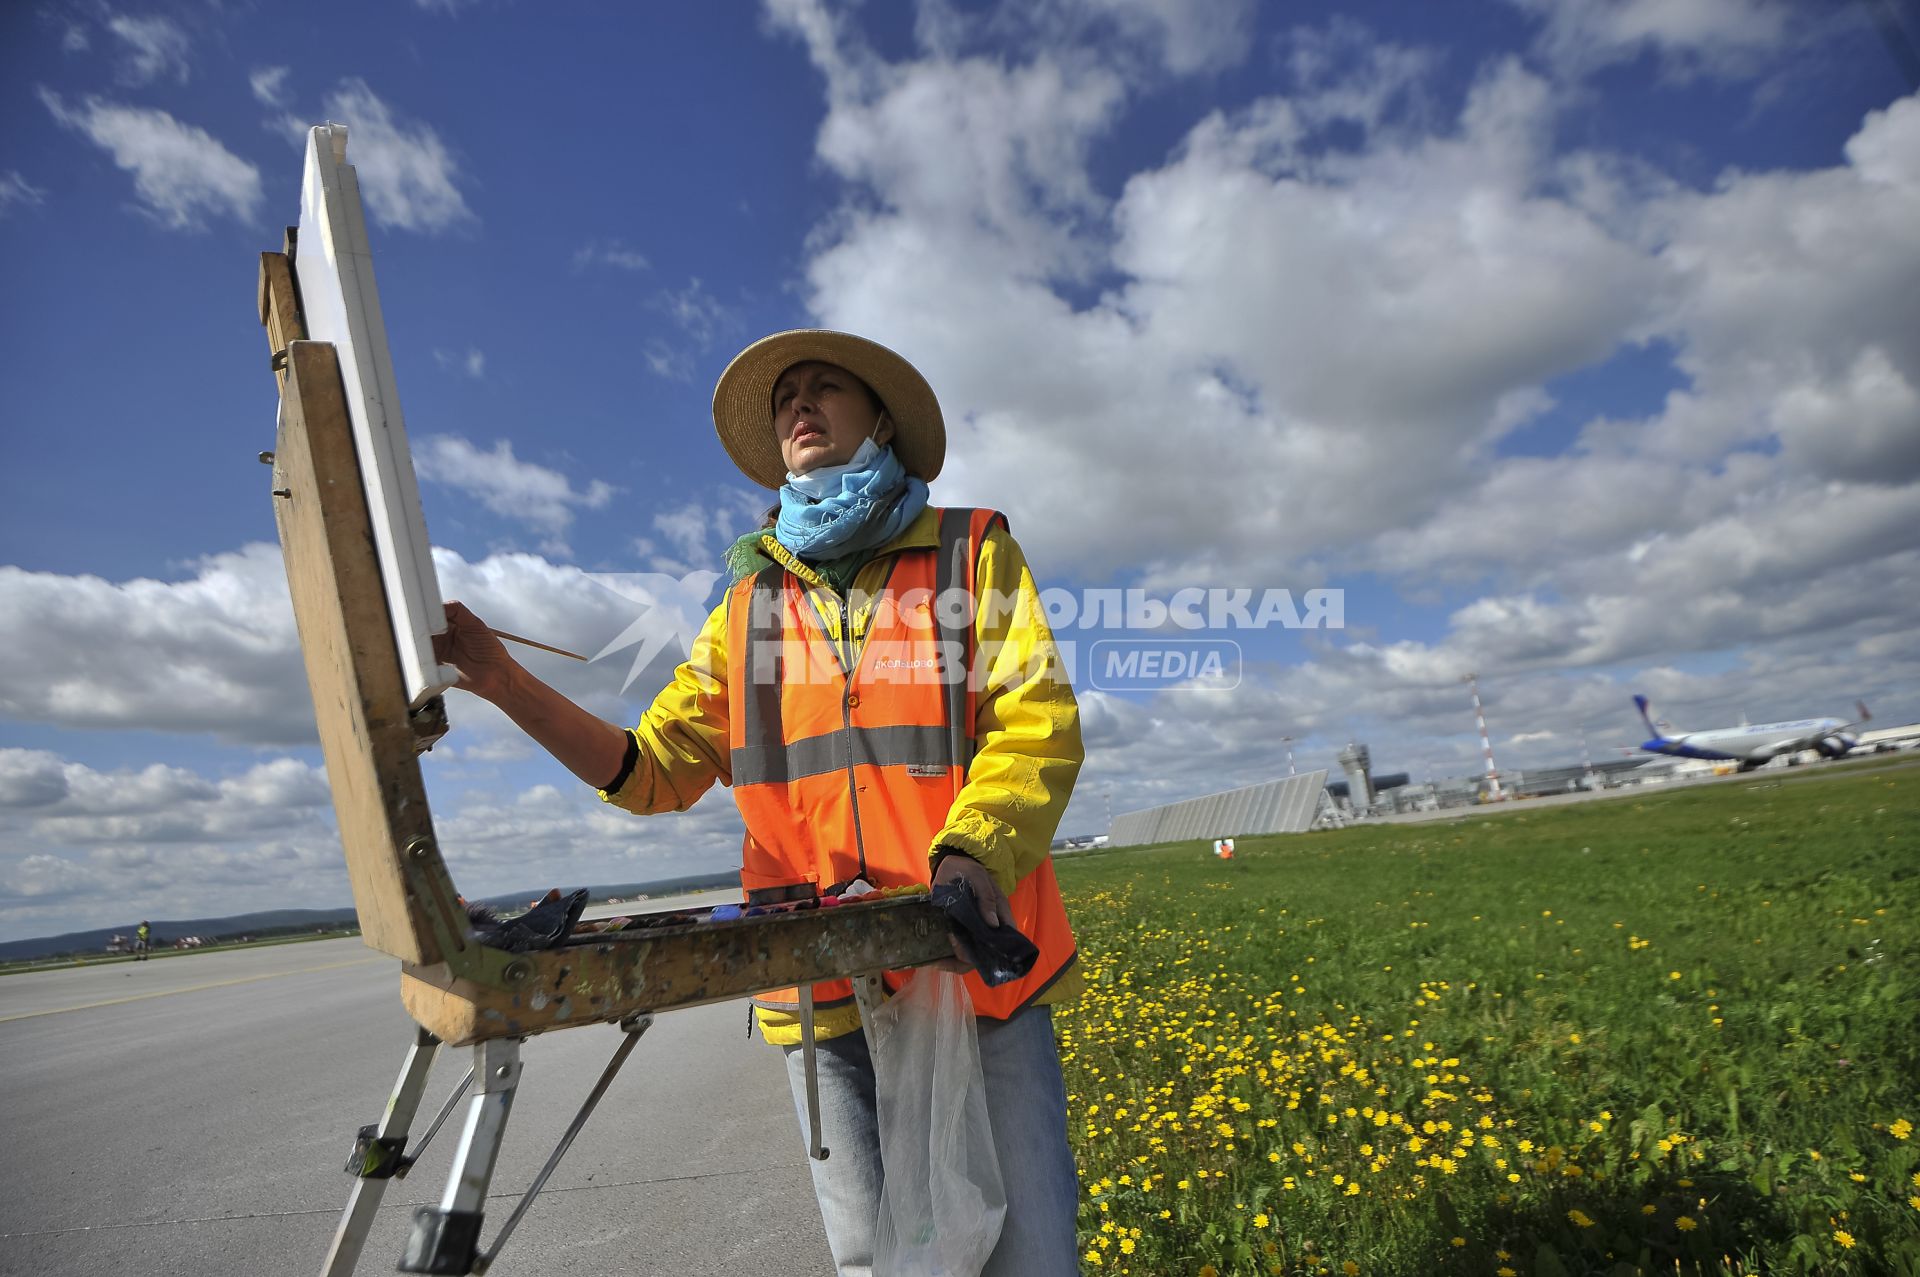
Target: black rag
<point x="1001" y="953"/>
<point x="542" y="927"/>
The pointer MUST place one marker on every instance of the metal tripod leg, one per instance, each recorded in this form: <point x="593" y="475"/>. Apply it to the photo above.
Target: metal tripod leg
<point x="810" y="1062"/>
<point x="869" y="994"/>
<point x="378" y="1156"/>
<point x="634" y="1028"/>
<point x="446" y="1238"/>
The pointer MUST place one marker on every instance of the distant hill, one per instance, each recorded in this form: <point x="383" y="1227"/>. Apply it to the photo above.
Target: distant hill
<point x="286" y="921"/>
<point x="165" y="932"/>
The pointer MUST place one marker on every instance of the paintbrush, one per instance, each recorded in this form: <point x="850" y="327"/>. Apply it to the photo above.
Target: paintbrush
<point x="545" y="647"/>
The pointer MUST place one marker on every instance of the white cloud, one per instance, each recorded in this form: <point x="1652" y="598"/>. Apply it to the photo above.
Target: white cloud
<point x="1342" y="72"/>
<point x="154" y="47"/>
<point x="82" y="847"/>
<point x="697" y="313"/>
<point x="1718" y="37"/>
<point x="698" y="533"/>
<point x="1182" y="37"/>
<point x="180" y="173"/>
<point x="16" y="191"/>
<point x="521" y="490"/>
<point x="473" y="363"/>
<point x="1207" y="36"/>
<point x="216" y="653"/>
<point x="1322" y="316"/>
<point x="1785" y="328"/>
<point x="583" y="840"/>
<point x="612" y="252"/>
<point x="407" y="176"/>
<point x="266" y="839"/>
<point x="1301" y="310"/>
<point x="1146" y="39"/>
<point x="699" y="319"/>
<point x="89" y="846"/>
<point x="31" y="778"/>
<point x="269" y="85"/>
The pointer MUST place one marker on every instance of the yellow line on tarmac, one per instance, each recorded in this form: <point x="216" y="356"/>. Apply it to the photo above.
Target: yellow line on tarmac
<point x="192" y="988"/>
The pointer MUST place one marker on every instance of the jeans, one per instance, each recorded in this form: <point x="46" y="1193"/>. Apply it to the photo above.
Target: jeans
<point x="1027" y="1106"/>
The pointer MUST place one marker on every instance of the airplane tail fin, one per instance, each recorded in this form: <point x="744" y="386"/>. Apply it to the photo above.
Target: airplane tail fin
<point x="1646" y="716"/>
<point x="1866" y="716"/>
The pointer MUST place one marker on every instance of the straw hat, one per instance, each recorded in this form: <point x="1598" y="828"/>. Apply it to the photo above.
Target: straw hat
<point x="743" y="400"/>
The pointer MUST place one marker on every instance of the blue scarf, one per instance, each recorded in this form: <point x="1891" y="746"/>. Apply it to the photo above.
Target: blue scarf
<point x="871" y="507"/>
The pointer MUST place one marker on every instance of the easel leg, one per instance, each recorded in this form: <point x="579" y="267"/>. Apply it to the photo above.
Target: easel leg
<point x="870" y="995"/>
<point x="378" y="1155"/>
<point x="446" y="1238"/>
<point x="810" y="1062"/>
<point x="634" y="1028"/>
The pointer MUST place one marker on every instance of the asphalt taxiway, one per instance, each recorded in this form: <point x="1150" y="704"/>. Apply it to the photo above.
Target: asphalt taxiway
<point x="191" y="1116"/>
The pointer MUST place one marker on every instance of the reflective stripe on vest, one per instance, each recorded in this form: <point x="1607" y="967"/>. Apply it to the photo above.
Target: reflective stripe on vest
<point x="845" y="772"/>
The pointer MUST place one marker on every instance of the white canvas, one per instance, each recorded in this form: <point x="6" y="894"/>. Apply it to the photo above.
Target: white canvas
<point x="334" y="264"/>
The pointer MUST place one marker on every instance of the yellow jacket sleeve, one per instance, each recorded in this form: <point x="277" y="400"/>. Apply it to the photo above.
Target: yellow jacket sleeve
<point x="682" y="738"/>
<point x="1027" y="749"/>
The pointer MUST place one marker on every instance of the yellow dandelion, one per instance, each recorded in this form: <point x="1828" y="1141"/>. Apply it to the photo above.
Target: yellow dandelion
<point x="1350" y="1268"/>
<point x="1459" y="1241"/>
<point x="1260" y="1220"/>
<point x="1685" y="1224"/>
<point x="1900" y="1129"/>
<point x="1579" y="1217"/>
<point x="1844" y="1237"/>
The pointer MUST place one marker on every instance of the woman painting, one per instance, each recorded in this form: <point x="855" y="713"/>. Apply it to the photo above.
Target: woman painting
<point x="881" y="691"/>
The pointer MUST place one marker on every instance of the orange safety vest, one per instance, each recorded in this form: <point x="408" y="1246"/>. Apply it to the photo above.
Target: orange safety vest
<point x="847" y="758"/>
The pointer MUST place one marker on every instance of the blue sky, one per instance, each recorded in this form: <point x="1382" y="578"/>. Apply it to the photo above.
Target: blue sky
<point x="1577" y="342"/>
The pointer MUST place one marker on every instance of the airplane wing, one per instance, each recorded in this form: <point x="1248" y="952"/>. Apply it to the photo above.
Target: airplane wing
<point x="1768" y="752"/>
<point x="1831" y="742"/>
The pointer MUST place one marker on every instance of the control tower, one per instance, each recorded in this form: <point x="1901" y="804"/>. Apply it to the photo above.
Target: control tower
<point x="1357" y="762"/>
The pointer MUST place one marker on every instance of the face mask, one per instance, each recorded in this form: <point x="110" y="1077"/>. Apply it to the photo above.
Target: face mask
<point x="824" y="481"/>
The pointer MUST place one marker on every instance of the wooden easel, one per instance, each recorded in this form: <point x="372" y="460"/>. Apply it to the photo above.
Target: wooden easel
<point x="460" y="992"/>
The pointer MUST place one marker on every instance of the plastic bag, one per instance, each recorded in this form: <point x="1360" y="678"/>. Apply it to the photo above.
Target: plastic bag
<point x="941" y="1197"/>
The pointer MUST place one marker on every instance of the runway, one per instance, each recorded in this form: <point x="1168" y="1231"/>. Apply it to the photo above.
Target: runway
<point x="191" y="1116"/>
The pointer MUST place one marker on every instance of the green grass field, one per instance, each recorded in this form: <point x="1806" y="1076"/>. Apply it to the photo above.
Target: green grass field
<point x="1678" y="1032"/>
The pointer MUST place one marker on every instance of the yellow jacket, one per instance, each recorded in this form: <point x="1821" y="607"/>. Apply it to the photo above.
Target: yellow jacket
<point x="1027" y="751"/>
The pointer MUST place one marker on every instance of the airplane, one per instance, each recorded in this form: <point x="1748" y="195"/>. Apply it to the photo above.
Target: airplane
<point x="1752" y="744"/>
